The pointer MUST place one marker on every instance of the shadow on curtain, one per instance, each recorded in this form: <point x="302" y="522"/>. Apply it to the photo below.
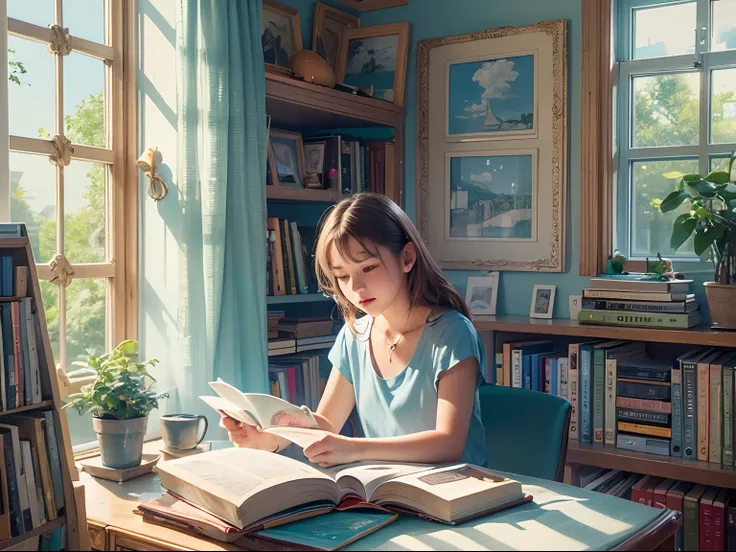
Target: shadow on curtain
<point x="222" y="153"/>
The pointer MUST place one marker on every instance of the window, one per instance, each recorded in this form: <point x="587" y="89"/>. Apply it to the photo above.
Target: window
<point x="676" y="109"/>
<point x="65" y="119"/>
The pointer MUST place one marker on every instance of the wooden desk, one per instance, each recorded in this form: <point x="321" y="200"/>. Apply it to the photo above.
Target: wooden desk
<point x="560" y="517"/>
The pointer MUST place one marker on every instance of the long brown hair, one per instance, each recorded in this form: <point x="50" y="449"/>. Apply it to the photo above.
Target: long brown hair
<point x="373" y="219"/>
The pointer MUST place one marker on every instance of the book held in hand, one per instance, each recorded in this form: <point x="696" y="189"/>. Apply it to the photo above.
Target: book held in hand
<point x="244" y="486"/>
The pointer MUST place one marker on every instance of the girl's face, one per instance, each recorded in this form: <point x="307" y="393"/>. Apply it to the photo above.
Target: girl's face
<point x="371" y="283"/>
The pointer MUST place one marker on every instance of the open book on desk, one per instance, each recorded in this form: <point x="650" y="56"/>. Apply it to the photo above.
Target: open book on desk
<point x="244" y="486"/>
<point x="266" y="412"/>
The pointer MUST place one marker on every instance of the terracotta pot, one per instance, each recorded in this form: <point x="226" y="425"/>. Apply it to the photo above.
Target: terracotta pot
<point x="721" y="303"/>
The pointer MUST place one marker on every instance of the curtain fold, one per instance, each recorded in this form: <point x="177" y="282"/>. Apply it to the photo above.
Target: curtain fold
<point x="221" y="314"/>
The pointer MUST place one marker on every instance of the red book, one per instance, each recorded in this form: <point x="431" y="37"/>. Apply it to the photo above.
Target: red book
<point x="705" y="517"/>
<point x="719" y="520"/>
<point x="659" y="497"/>
<point x="643" y="490"/>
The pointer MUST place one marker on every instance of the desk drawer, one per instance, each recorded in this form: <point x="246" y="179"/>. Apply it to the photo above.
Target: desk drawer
<point x="97" y="536"/>
<point x="123" y="540"/>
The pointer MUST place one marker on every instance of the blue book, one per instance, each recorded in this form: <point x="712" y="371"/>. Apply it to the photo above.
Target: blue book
<point x="526" y="361"/>
<point x="586" y="392"/>
<point x="331" y="531"/>
<point x="11" y="230"/>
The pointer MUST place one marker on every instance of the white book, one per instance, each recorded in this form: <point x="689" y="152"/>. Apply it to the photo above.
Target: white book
<point x="36" y="508"/>
<point x="562" y="375"/>
<point x="33" y="353"/>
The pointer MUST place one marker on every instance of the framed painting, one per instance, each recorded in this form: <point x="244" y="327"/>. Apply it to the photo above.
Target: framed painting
<point x="482" y="293"/>
<point x="281" y="35"/>
<point x="492" y="148"/>
<point x="329" y="25"/>
<point x="374" y="59"/>
<point x="286" y="153"/>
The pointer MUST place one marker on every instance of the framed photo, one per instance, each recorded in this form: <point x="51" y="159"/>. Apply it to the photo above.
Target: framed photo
<point x="286" y="153"/>
<point x="482" y="293"/>
<point x="281" y="35"/>
<point x="492" y="148"/>
<point x="374" y="59"/>
<point x="314" y="161"/>
<point x="329" y="24"/>
<point x="543" y="301"/>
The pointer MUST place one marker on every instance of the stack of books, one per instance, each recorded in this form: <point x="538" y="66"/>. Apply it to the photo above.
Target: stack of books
<point x="630" y="300"/>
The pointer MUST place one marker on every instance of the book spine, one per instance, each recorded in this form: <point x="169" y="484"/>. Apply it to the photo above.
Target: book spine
<point x="642" y="443"/>
<point x="16" y="512"/>
<point x="598" y="402"/>
<point x="641" y="429"/>
<point x="562" y="371"/>
<point x="516" y="368"/>
<point x="632" y="295"/>
<point x="718" y="534"/>
<point x="52" y="449"/>
<point x="689" y="426"/>
<point x="703" y="387"/>
<point x="638" y="306"/>
<point x="573" y="390"/>
<point x="623" y="318"/>
<point x="728" y="384"/>
<point x="706" y="519"/>
<point x="641" y="416"/>
<point x="585" y="390"/>
<point x="552" y="380"/>
<point x="33" y="352"/>
<point x="499" y="369"/>
<point x="18" y="355"/>
<point x="731" y="528"/>
<point x="526" y="371"/>
<point x="676" y="405"/>
<point x="638" y="390"/>
<point x="610" y="409"/>
<point x="27" y="378"/>
<point x="644" y="404"/>
<point x="641" y="373"/>
<point x="690" y="521"/>
<point x="715" y="427"/>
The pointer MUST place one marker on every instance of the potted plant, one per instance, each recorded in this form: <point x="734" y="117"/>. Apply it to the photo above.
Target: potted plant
<point x="712" y="218"/>
<point x="120" y="400"/>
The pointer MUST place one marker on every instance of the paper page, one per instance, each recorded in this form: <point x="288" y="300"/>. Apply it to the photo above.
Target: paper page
<point x="238" y="399"/>
<point x="372" y="474"/>
<point x="273" y="412"/>
<point x="300" y="436"/>
<point x="218" y="403"/>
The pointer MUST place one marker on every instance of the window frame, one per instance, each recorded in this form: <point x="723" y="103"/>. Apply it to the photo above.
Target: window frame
<point x="120" y="268"/>
<point x="702" y="62"/>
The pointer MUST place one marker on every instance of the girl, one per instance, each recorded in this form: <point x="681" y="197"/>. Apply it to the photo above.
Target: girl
<point x="407" y="357"/>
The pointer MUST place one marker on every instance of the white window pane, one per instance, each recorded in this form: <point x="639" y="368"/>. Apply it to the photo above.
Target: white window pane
<point x="666" y="110"/>
<point x="84" y="212"/>
<point x="30" y="103"/>
<point x="723" y="25"/>
<point x="85" y="319"/>
<point x="85" y="19"/>
<point x="667" y="30"/>
<point x="33" y="201"/>
<point x="723" y="106"/>
<point x="84" y="112"/>
<point x="652" y="229"/>
<point x="38" y="12"/>
<point x="50" y="296"/>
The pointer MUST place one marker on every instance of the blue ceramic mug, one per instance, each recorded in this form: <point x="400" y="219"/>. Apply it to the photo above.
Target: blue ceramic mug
<point x="183" y="431"/>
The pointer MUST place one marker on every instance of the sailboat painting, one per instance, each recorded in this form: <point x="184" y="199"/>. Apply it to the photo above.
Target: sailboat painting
<point x="371" y="64"/>
<point x="492" y="96"/>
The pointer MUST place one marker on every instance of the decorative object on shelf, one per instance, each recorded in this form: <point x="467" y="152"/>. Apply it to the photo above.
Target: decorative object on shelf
<point x="329" y="24"/>
<point x="368" y="5"/>
<point x="286" y="157"/>
<point x="281" y="35"/>
<point x="311" y="67"/>
<point x="375" y="58"/>
<point x="314" y="162"/>
<point x="543" y="301"/>
<point x="148" y="162"/>
<point x="120" y="400"/>
<point x="576" y="303"/>
<point x="482" y="293"/>
<point x="492" y="148"/>
<point x="711" y="216"/>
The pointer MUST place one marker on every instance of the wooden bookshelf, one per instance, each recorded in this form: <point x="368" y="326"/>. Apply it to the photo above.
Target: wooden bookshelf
<point x="298" y="298"/>
<point x="610" y="457"/>
<point x="564" y="327"/>
<point x="37" y="532"/>
<point x="287" y="193"/>
<point x="43" y="405"/>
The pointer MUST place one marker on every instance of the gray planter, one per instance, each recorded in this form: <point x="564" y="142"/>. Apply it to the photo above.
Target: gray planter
<point x="121" y="441"/>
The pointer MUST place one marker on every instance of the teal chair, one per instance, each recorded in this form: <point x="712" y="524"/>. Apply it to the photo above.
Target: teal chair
<point x="526" y="431"/>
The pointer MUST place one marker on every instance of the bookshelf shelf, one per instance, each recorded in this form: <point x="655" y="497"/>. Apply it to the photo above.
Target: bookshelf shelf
<point x="39" y="406"/>
<point x="609" y="457"/>
<point x="45" y="528"/>
<point x="286" y="193"/>
<point x="523" y="324"/>
<point x="299" y="298"/>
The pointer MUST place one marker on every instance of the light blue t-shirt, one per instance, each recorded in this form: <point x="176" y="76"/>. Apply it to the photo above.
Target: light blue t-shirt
<point x="407" y="403"/>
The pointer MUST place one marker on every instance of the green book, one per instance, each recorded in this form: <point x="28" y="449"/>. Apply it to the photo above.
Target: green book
<point x="639" y="319"/>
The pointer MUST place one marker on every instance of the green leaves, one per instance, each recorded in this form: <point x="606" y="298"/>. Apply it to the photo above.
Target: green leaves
<point x="704" y="239"/>
<point x="674" y="200"/>
<point x="682" y="229"/>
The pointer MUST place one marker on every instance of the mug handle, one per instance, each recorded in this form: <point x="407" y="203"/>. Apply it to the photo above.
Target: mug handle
<point x="204" y="419"/>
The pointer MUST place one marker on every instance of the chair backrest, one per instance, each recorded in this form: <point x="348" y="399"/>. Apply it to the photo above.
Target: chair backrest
<point x="526" y="431"/>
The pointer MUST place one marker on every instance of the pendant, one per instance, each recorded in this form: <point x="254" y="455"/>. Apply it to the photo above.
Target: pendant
<point x="391" y="351"/>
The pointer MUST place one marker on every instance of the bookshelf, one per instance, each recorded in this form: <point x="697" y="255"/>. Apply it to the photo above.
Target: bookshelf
<point x="509" y="327"/>
<point x="19" y="249"/>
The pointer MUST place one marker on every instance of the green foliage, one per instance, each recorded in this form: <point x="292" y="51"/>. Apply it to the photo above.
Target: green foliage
<point x="15" y="68"/>
<point x="711" y="213"/>
<point x="120" y="390"/>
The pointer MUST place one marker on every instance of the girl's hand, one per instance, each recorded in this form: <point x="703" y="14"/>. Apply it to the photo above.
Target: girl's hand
<point x="247" y="436"/>
<point x="333" y="449"/>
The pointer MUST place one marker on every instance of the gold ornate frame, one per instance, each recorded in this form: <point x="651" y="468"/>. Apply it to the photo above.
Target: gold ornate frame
<point x="554" y="260"/>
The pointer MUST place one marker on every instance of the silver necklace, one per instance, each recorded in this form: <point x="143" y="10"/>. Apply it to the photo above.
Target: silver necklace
<point x="392" y="346"/>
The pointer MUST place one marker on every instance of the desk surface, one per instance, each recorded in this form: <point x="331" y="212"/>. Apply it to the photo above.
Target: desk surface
<point x="560" y="517"/>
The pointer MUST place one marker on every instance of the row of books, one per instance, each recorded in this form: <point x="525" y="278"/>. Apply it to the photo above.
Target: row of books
<point x="709" y="513"/>
<point x="20" y="378"/>
<point x="30" y="473"/>
<point x="623" y="397"/>
<point x="289" y="266"/>
<point x="617" y="300"/>
<point x="296" y="379"/>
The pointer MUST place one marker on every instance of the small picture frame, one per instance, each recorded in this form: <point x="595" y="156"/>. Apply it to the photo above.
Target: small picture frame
<point x="329" y="25"/>
<point x="543" y="301"/>
<point x="286" y="158"/>
<point x="576" y="304"/>
<point x="281" y="35"/>
<point x="482" y="293"/>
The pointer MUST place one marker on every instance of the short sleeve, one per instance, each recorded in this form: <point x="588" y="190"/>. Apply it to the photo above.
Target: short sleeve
<point x="338" y="354"/>
<point x="457" y="341"/>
